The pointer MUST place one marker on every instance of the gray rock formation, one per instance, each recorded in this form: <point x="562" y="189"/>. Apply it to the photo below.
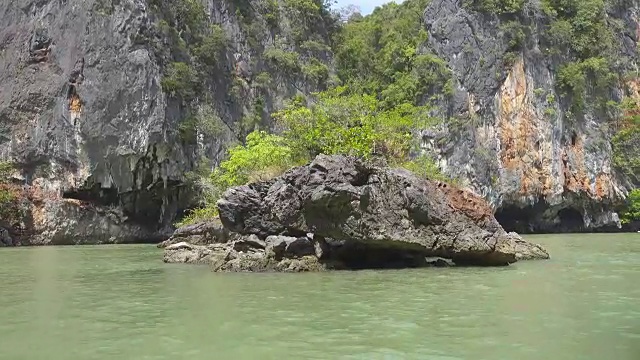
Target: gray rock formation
<point x="69" y="222"/>
<point x="248" y="254"/>
<point x="509" y="134"/>
<point x="202" y="233"/>
<point x="528" y="251"/>
<point x="83" y="113"/>
<point x="375" y="216"/>
<point x="185" y="253"/>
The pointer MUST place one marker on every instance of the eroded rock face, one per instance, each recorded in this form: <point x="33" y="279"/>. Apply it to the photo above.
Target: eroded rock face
<point x="84" y="116"/>
<point x="71" y="222"/>
<point x="509" y="134"/>
<point x="372" y="214"/>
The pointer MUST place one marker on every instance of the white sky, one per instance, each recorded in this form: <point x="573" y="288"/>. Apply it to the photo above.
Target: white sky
<point x="366" y="6"/>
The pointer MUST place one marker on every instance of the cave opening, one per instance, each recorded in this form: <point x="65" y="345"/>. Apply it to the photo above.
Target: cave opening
<point x="520" y="220"/>
<point x="538" y="219"/>
<point x="359" y="256"/>
<point x="95" y="195"/>
<point x="574" y="138"/>
<point x="570" y="220"/>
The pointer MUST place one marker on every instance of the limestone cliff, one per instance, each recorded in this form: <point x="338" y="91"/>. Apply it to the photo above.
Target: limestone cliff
<point x="90" y="118"/>
<point x="512" y="132"/>
<point x="108" y="106"/>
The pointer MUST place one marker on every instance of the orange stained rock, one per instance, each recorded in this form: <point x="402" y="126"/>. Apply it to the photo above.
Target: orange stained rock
<point x="465" y="201"/>
<point x="75" y="104"/>
<point x="521" y="132"/>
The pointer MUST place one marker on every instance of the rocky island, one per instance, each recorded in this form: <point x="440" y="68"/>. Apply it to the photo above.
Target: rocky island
<point x="340" y="212"/>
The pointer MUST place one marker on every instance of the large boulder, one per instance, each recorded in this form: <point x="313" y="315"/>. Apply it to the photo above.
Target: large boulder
<point x="371" y="215"/>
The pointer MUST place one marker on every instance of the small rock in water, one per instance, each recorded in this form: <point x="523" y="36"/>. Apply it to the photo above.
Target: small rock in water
<point x="439" y="262"/>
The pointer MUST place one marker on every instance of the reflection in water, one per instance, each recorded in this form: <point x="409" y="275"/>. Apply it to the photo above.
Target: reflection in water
<point x="121" y="302"/>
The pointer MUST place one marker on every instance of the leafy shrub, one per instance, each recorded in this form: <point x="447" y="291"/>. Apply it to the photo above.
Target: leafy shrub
<point x="316" y="71"/>
<point x="283" y="60"/>
<point x="206" y="122"/>
<point x="314" y="47"/>
<point x="343" y="123"/>
<point x="10" y="209"/>
<point x="632" y="210"/>
<point x="379" y="54"/>
<point x="498" y="7"/>
<point x="187" y="17"/>
<point x="181" y="80"/>
<point x="264" y="156"/>
<point x="198" y="214"/>
<point x="574" y="77"/>
<point x="262" y="80"/>
<point x="626" y="156"/>
<point x="514" y="33"/>
<point x="272" y="13"/>
<point x="424" y="167"/>
<point x="305" y="9"/>
<point x="212" y="46"/>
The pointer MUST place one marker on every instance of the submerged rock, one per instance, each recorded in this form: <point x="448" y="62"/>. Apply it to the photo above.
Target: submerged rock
<point x="246" y="254"/>
<point x="528" y="251"/>
<point x="187" y="253"/>
<point x="374" y="217"/>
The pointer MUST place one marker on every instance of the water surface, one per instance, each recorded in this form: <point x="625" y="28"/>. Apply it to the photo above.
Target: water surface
<point x="122" y="302"/>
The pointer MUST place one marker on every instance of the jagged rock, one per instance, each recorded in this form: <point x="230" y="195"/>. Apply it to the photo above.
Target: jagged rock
<point x="72" y="222"/>
<point x="186" y="253"/>
<point x="83" y="112"/>
<point x="439" y="262"/>
<point x="528" y="251"/>
<point x="388" y="215"/>
<point x="543" y="167"/>
<point x="278" y="244"/>
<point x="249" y="242"/>
<point x="246" y="254"/>
<point x="201" y="233"/>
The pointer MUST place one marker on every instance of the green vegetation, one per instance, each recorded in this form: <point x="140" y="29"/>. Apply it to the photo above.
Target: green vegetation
<point x="284" y="61"/>
<point x="336" y="122"/>
<point x="210" y="49"/>
<point x="626" y="142"/>
<point x="500" y="7"/>
<point x="182" y="80"/>
<point x="379" y="54"/>
<point x="340" y="122"/>
<point x="632" y="210"/>
<point x="581" y="32"/>
<point x="262" y="157"/>
<point x="205" y="121"/>
<point x="9" y="196"/>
